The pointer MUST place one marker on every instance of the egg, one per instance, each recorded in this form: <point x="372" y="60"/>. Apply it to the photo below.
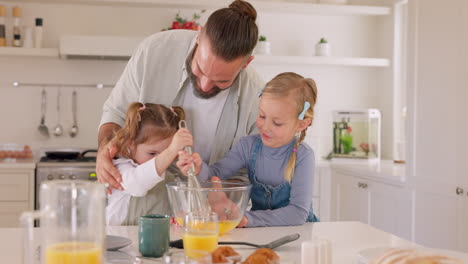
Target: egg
<point x="2" y="154"/>
<point x="26" y="147"/>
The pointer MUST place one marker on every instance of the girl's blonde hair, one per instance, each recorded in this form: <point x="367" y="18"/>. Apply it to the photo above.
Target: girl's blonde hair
<point x="300" y="89"/>
<point x="145" y="122"/>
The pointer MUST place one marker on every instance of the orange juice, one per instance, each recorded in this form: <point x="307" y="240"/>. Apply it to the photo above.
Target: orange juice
<point x="205" y="241"/>
<point x="73" y="253"/>
<point x="224" y="225"/>
<point x="227" y="225"/>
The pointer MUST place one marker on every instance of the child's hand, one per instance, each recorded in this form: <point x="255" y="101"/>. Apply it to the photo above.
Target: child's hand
<point x="185" y="161"/>
<point x="181" y="139"/>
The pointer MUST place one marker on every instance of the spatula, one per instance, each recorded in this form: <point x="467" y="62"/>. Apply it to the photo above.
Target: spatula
<point x="273" y="244"/>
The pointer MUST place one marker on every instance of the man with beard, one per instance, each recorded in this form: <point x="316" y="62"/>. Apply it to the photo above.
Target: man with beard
<point x="206" y="74"/>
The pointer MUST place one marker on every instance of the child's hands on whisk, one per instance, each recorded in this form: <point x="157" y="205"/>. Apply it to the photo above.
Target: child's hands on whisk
<point x="181" y="138"/>
<point x="185" y="161"/>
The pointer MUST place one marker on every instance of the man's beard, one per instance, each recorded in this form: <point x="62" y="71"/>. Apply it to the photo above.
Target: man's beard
<point x="198" y="91"/>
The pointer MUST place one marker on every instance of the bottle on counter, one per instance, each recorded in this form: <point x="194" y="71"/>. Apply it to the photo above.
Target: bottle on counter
<point x="2" y="26"/>
<point x="16" y="27"/>
<point x="38" y="33"/>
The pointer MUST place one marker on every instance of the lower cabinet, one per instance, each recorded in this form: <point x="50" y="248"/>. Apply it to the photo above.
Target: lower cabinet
<point x="440" y="215"/>
<point x="383" y="206"/>
<point x="16" y="194"/>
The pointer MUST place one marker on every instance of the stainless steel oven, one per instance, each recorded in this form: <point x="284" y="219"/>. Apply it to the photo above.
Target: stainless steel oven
<point x="61" y="164"/>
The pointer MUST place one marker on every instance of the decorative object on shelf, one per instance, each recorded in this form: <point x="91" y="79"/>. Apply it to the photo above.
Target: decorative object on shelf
<point x="356" y="134"/>
<point x="263" y="46"/>
<point x="322" y="48"/>
<point x="182" y="23"/>
<point x="28" y="38"/>
<point x="334" y="2"/>
<point x="38" y="33"/>
<point x="17" y="27"/>
<point x="2" y="26"/>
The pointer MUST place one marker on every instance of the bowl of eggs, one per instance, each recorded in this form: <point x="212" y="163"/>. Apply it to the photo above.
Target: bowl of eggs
<point x="12" y="152"/>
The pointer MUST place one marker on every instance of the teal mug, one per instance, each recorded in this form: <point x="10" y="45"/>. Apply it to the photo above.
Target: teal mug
<point x="153" y="235"/>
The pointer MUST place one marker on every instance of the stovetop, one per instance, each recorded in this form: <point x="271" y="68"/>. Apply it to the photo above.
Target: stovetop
<point x="80" y="159"/>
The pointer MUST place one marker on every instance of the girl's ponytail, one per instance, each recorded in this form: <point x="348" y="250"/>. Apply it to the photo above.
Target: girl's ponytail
<point x="130" y="129"/>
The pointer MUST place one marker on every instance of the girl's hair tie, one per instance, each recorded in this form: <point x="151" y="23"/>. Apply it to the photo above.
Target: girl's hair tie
<point x="304" y="110"/>
<point x="173" y="111"/>
<point x="142" y="108"/>
<point x="294" y="149"/>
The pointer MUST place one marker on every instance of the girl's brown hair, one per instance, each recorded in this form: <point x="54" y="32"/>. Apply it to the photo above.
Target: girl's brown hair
<point x="232" y="31"/>
<point x="145" y="122"/>
<point x="301" y="90"/>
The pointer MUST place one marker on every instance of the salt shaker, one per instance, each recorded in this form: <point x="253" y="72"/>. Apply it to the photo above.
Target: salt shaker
<point x="316" y="251"/>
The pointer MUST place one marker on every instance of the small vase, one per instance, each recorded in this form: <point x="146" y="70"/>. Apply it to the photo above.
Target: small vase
<point x="322" y="49"/>
<point x="263" y="48"/>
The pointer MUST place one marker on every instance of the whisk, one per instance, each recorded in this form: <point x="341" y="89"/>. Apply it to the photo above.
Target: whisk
<point x="198" y="201"/>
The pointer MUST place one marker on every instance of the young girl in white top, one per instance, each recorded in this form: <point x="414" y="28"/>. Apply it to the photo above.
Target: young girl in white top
<point x="280" y="165"/>
<point x="147" y="145"/>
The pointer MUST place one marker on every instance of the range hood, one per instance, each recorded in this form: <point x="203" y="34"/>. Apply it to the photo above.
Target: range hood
<point x="98" y="47"/>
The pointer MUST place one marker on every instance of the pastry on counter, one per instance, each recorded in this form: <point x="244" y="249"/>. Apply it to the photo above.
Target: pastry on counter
<point x="262" y="256"/>
<point x="221" y="255"/>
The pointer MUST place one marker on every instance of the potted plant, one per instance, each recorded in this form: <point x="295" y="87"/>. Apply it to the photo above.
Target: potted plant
<point x="322" y="48"/>
<point x="263" y="46"/>
<point x="183" y="23"/>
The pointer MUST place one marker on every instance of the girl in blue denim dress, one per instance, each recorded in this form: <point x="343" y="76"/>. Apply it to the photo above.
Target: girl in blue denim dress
<point x="279" y="164"/>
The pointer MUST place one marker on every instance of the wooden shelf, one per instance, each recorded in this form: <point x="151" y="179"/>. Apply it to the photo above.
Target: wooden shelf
<point x="13" y="51"/>
<point x="269" y="6"/>
<point x="337" y="61"/>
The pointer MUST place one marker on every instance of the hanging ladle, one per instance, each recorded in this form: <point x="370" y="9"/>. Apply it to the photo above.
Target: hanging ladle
<point x="58" y="130"/>
<point x="74" y="128"/>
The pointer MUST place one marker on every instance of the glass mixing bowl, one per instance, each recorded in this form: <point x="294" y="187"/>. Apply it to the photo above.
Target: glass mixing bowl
<point x="228" y="199"/>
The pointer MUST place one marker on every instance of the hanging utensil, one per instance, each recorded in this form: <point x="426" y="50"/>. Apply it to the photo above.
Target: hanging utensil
<point x="43" y="129"/>
<point x="58" y="130"/>
<point x="74" y="128"/>
<point x="197" y="202"/>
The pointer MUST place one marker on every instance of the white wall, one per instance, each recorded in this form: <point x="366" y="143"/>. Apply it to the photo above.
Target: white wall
<point x="290" y="34"/>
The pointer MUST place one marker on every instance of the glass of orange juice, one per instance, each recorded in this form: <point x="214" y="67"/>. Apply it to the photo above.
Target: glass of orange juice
<point x="201" y="231"/>
<point x="72" y="224"/>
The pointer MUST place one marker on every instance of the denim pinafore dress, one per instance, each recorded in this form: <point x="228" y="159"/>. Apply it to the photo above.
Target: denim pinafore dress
<point x="268" y="197"/>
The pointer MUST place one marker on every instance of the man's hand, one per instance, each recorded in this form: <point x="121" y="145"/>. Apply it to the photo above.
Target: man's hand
<point x="105" y="169"/>
<point x="221" y="204"/>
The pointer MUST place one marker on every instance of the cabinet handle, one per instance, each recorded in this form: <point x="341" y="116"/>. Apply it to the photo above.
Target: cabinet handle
<point x="362" y="185"/>
<point x="459" y="191"/>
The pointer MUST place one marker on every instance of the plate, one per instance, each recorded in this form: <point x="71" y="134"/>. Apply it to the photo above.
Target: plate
<point x="367" y="255"/>
<point x="116" y="242"/>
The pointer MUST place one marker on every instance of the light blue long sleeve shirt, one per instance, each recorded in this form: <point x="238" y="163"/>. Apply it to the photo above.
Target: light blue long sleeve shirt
<point x="270" y="166"/>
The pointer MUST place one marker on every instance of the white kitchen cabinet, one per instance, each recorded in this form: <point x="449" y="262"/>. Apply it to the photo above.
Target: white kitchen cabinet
<point x="16" y="192"/>
<point x="440" y="218"/>
<point x="381" y="205"/>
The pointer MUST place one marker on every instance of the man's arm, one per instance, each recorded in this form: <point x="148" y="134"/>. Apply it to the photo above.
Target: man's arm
<point x="105" y="169"/>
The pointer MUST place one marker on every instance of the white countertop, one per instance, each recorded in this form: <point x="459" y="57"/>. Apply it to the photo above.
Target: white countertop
<point x="347" y="238"/>
<point x="18" y="164"/>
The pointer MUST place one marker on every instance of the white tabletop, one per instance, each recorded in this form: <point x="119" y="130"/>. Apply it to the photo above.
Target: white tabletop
<point x="347" y="238"/>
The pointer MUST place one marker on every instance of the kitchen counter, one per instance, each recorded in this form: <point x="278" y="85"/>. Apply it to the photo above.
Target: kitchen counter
<point x="18" y="164"/>
<point x="347" y="238"/>
<point x="385" y="171"/>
